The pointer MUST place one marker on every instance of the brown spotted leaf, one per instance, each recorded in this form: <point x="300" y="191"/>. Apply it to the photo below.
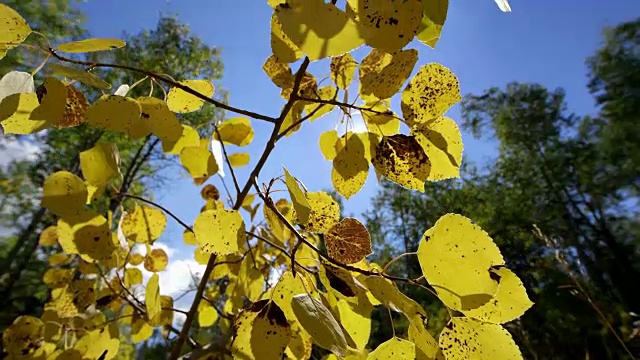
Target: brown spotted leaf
<point x="76" y="106"/>
<point x="382" y="75"/>
<point x="401" y="159"/>
<point x="348" y="241"/>
<point x="429" y="94"/>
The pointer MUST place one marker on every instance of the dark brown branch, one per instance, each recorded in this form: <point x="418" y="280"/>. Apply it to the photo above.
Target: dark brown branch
<point x="271" y="143"/>
<point x="165" y="80"/>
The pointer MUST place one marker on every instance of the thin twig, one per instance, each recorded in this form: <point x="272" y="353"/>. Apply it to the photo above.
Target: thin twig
<point x="172" y="215"/>
<point x="350" y="106"/>
<point x="283" y="250"/>
<point x="165" y="80"/>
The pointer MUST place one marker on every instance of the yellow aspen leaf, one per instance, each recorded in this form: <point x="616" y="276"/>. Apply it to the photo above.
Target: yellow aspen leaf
<point x="58" y="259"/>
<point x="56" y="277"/>
<point x="49" y="236"/>
<point x="188" y="137"/>
<point x="189" y="237"/>
<point x="261" y="332"/>
<point x="325" y="212"/>
<point x="182" y="102"/>
<point x="388" y="26"/>
<point x="350" y="167"/>
<point x="165" y="317"/>
<point x="292" y="122"/>
<point x="100" y="341"/>
<point x="64" y="194"/>
<point x="298" y="198"/>
<point x="356" y="320"/>
<point x="15" y="114"/>
<point x="156" y="260"/>
<point x="343" y="67"/>
<point x="288" y="286"/>
<point x="100" y="164"/>
<point x="394" y="348"/>
<point x="144" y="224"/>
<point x="201" y="257"/>
<point x="327" y="142"/>
<point x="434" y="15"/>
<point x="279" y="72"/>
<point x="113" y="112"/>
<point x="441" y="140"/>
<point x="369" y="141"/>
<point x="317" y="110"/>
<point x="470" y="339"/>
<point x="382" y="75"/>
<point x="91" y="45"/>
<point x="152" y="296"/>
<point x="426" y="345"/>
<point x="52" y="95"/>
<point x="341" y="283"/>
<point x="132" y="276"/>
<point x="509" y="303"/>
<point x="320" y="30"/>
<point x="24" y="333"/>
<point x="157" y="119"/>
<point x="236" y="131"/>
<point x="318" y="321"/>
<point x="348" y="241"/>
<point x="300" y="344"/>
<point x="284" y="50"/>
<point x="401" y="159"/>
<point x="220" y="231"/>
<point x="277" y="227"/>
<point x="210" y="192"/>
<point x="239" y="159"/>
<point x="94" y="192"/>
<point x="199" y="162"/>
<point x="308" y="87"/>
<point x="429" y="94"/>
<point x="75" y="109"/>
<point x="454" y="239"/>
<point x="207" y="314"/>
<point x="14" y="29"/>
<point x="387" y="293"/>
<point x="250" y="279"/>
<point x="140" y="330"/>
<point x="80" y="75"/>
<point x="89" y="235"/>
<point x="383" y="122"/>
<point x="136" y="259"/>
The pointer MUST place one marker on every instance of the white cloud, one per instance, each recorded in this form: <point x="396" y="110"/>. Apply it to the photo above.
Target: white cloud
<point x="17" y="150"/>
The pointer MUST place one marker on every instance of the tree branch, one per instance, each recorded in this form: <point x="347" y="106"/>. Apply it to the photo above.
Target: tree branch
<point x="165" y="80"/>
<point x="271" y="143"/>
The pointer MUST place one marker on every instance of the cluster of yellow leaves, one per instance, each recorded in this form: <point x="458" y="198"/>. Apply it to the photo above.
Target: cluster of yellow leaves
<point x="333" y="310"/>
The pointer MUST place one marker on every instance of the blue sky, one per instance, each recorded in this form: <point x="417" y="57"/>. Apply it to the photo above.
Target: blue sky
<point x="540" y="41"/>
